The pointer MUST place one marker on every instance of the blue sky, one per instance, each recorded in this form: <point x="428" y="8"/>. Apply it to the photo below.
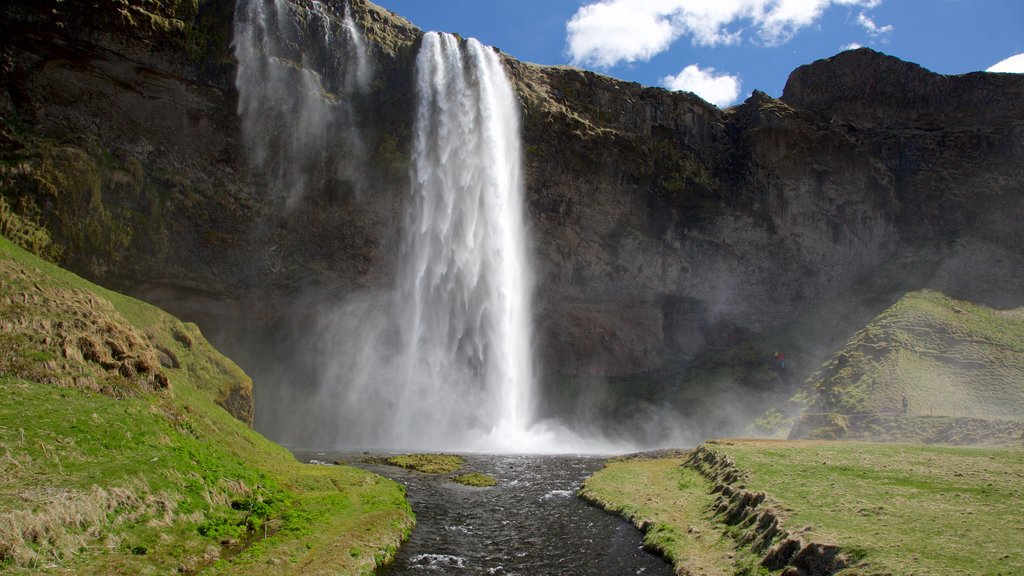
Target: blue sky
<point x="724" y="49"/>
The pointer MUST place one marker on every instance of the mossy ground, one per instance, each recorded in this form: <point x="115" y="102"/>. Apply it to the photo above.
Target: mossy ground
<point x="162" y="481"/>
<point x="428" y="463"/>
<point x="439" y="464"/>
<point x="476" y="480"/>
<point x="898" y="509"/>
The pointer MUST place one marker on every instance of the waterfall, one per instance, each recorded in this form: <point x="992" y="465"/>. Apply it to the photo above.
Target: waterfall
<point x="358" y="62"/>
<point x="464" y="285"/>
<point x="442" y="360"/>
<point x="298" y="69"/>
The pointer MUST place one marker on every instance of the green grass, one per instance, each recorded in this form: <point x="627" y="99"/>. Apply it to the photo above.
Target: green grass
<point x="476" y="479"/>
<point x="903" y="509"/>
<point x="428" y="463"/>
<point x="670" y="503"/>
<point x="949" y="358"/>
<point x="898" y="509"/>
<point x="139" y="481"/>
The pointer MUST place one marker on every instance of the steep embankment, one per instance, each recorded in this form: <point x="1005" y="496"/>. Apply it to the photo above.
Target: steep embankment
<point x="115" y="457"/>
<point x="818" y="508"/>
<point x="959" y="365"/>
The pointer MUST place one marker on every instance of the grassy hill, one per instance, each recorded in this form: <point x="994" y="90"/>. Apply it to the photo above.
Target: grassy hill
<point x="117" y="455"/>
<point x="959" y="365"/>
<point x="764" y="507"/>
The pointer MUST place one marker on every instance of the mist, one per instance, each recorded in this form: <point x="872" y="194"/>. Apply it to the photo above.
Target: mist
<point x="439" y="345"/>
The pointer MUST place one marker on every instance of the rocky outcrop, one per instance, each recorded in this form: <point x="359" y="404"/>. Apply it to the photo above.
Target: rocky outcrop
<point x="712" y="222"/>
<point x="869" y="89"/>
<point x="662" y="226"/>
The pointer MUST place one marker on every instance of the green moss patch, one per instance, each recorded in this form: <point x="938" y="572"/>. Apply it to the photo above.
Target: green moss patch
<point x="476" y="479"/>
<point x="428" y="463"/>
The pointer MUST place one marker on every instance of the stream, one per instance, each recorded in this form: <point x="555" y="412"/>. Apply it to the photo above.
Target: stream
<point x="530" y="524"/>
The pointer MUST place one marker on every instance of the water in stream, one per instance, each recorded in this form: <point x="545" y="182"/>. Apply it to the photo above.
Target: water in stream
<point x="531" y="523"/>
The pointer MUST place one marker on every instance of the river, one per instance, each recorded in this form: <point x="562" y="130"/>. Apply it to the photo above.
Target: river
<point x="530" y="524"/>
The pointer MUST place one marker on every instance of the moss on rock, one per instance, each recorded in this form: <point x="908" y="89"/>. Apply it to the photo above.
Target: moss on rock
<point x="476" y="479"/>
<point x="428" y="463"/>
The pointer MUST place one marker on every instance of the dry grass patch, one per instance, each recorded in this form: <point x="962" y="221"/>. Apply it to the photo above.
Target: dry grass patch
<point x="54" y="523"/>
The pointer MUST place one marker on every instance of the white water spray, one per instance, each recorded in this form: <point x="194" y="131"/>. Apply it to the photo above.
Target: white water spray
<point x="443" y="361"/>
<point x="465" y="282"/>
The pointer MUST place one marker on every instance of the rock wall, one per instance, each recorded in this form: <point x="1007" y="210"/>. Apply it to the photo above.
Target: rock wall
<point x="662" y="226"/>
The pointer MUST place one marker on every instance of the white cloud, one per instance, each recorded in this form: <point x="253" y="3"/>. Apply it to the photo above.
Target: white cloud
<point x="719" y="89"/>
<point x="866" y="4"/>
<point x="850" y="46"/>
<point x="608" y="32"/>
<point x="1011" y="64"/>
<point x="872" y="28"/>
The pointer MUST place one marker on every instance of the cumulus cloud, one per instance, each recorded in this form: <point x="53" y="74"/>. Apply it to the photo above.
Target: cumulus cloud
<point x="719" y="89"/>
<point x="608" y="32"/>
<point x="1012" y="64"/>
<point x="872" y="28"/>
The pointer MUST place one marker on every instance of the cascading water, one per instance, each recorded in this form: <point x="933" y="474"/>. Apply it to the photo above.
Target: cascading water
<point x="464" y="293"/>
<point x="443" y="360"/>
<point x="298" y="69"/>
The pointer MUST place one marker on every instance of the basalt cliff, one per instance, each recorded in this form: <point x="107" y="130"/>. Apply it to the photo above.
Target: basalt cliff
<point x="671" y="238"/>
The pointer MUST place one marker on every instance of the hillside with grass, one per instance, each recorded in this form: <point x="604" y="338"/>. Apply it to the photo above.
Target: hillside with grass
<point x="959" y="365"/>
<point x="118" y="453"/>
<point x="817" y="507"/>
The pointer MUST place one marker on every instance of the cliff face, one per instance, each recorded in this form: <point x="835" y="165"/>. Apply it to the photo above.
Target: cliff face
<point x="667" y="227"/>
<point x="675" y="226"/>
<point x="662" y="227"/>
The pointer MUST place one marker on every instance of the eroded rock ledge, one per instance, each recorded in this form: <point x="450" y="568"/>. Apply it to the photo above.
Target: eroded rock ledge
<point x="759" y="521"/>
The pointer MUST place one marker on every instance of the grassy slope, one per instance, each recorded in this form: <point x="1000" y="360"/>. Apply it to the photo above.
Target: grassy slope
<point x="901" y="509"/>
<point x="948" y="357"/>
<point x="736" y="384"/>
<point x="157" y="481"/>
